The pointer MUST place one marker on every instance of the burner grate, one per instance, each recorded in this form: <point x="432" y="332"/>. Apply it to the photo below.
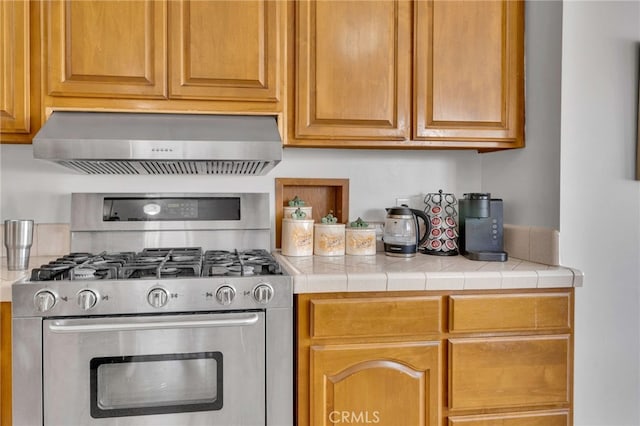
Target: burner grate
<point x="164" y="263"/>
<point x="242" y="263"/>
<point x="157" y="263"/>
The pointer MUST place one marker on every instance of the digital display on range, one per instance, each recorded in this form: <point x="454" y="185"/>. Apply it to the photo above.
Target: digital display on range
<point x="171" y="209"/>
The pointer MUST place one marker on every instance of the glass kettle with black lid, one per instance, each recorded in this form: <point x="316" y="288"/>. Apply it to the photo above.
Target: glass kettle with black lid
<point x="402" y="232"/>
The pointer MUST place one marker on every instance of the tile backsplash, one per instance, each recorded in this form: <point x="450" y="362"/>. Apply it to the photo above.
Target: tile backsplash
<point x="49" y="239"/>
<point x="535" y="244"/>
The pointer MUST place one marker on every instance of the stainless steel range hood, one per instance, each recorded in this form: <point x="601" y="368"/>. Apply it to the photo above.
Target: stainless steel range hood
<point x="160" y="144"/>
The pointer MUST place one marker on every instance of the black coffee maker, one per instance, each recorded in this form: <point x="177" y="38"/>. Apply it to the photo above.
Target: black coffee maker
<point x="481" y="227"/>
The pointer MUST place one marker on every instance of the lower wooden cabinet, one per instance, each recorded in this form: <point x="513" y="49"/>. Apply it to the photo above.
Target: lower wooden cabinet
<point x="508" y="372"/>
<point x="386" y="383"/>
<point x="365" y="359"/>
<point x="5" y="363"/>
<point x="418" y="358"/>
<point x="543" y="418"/>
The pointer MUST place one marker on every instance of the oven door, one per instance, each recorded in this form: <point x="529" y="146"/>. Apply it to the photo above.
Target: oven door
<point x="155" y="370"/>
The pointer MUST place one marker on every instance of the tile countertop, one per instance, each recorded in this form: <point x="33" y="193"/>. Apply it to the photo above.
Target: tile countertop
<point x="9" y="277"/>
<point x="49" y="239"/>
<point x="320" y="274"/>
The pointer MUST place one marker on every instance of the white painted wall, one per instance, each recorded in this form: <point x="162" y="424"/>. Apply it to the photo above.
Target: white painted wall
<point x="41" y="190"/>
<point x="528" y="179"/>
<point x="600" y="205"/>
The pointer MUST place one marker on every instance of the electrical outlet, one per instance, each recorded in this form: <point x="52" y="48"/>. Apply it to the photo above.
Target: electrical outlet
<point x="402" y="201"/>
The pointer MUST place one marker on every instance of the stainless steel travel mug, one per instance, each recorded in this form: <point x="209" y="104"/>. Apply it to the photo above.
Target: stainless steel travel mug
<point x="18" y="237"/>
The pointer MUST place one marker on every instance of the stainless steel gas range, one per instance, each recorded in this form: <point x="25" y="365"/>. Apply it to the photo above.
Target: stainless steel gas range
<point x="169" y="311"/>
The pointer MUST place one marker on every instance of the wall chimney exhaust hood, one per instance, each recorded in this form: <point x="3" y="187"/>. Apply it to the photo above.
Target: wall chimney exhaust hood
<point x="160" y="144"/>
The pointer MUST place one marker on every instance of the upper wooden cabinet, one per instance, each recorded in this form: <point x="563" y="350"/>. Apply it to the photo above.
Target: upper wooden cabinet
<point x="359" y="74"/>
<point x="104" y="48"/>
<point x="469" y="73"/>
<point x="213" y="56"/>
<point x="403" y="74"/>
<point x="224" y="50"/>
<point x="19" y="85"/>
<point x="352" y="71"/>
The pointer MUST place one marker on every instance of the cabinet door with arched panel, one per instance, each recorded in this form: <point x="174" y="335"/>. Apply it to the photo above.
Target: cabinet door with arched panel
<point x="385" y="383"/>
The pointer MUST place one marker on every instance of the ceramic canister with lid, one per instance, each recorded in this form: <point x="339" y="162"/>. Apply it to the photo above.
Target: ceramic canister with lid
<point x="329" y="239"/>
<point x="297" y="237"/>
<point x="307" y="210"/>
<point x="296" y="206"/>
<point x="360" y="241"/>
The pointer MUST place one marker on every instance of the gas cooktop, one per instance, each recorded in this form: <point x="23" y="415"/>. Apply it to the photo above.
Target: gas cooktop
<point x="158" y="263"/>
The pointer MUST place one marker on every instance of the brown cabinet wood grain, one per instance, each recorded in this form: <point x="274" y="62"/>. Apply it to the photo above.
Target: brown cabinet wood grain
<point x="418" y="358"/>
<point x="371" y="317"/>
<point x="469" y="73"/>
<point x="14" y="86"/>
<point x="395" y="74"/>
<point x="509" y="372"/>
<point x="385" y="383"/>
<point x="370" y="374"/>
<point x="352" y="73"/>
<point x="165" y="56"/>
<point x="542" y="418"/>
<point x="103" y="48"/>
<point x="225" y="50"/>
<point x="515" y="312"/>
<point x="19" y="68"/>
<point x="5" y="363"/>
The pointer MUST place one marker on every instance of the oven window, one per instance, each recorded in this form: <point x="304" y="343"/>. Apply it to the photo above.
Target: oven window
<point x="156" y="384"/>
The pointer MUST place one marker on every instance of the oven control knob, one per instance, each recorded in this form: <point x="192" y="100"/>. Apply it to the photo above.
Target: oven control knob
<point x="157" y="297"/>
<point x="225" y="294"/>
<point x="87" y="299"/>
<point x="44" y="300"/>
<point x="263" y="293"/>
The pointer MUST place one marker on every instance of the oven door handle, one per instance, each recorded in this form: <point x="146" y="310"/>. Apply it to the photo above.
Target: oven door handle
<point x="62" y="326"/>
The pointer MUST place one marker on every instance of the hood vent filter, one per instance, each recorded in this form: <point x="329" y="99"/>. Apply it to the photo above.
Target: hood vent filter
<point x="249" y="168"/>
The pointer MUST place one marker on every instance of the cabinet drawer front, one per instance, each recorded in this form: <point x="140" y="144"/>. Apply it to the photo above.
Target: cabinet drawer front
<point x="365" y="317"/>
<point x="509" y="372"/>
<point x="544" y="418"/>
<point x="521" y="312"/>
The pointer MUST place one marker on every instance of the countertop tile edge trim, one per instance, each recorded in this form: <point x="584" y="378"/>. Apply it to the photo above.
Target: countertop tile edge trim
<point x="403" y="281"/>
<point x="489" y="280"/>
<point x="367" y="281"/>
<point x="449" y="280"/>
<point x="556" y="278"/>
<point x="578" y="277"/>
